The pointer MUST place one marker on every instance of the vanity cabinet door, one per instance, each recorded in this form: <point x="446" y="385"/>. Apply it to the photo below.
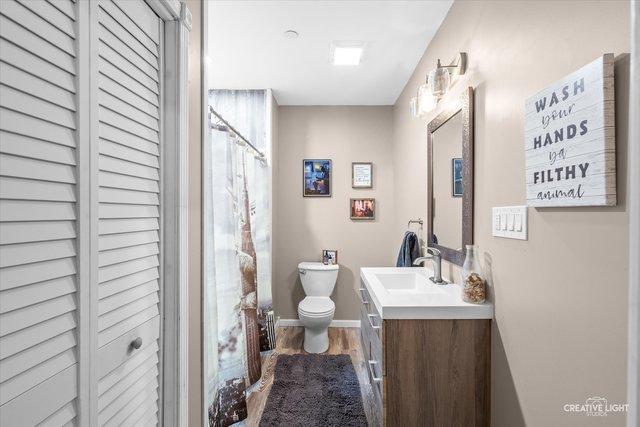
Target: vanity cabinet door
<point x="371" y="340"/>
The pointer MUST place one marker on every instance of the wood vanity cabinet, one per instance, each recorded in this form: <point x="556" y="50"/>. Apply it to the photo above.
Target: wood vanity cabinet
<point x="426" y="372"/>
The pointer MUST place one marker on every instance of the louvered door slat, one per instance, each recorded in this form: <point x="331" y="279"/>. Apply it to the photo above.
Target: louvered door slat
<point x="123" y="93"/>
<point x="122" y="240"/>
<point x="15" y="386"/>
<point x="115" y="180"/>
<point x="26" y="189"/>
<point x="22" y="13"/>
<point x="20" y="232"/>
<point x="38" y="226"/>
<point x="24" y="296"/>
<point x="35" y="355"/>
<point x="130" y="26"/>
<point x="112" y="56"/>
<point x="62" y="417"/>
<point x="114" y="226"/>
<point x="27" y="104"/>
<point x="121" y="284"/>
<point x="30" y="253"/>
<point x="67" y="7"/>
<point x="115" y="74"/>
<point x="24" y="124"/>
<point x="51" y="395"/>
<point x="54" y="15"/>
<point x="139" y="13"/>
<point x="113" y="134"/>
<point x="13" y="277"/>
<point x="127" y="41"/>
<point x="26" y="61"/>
<point x="147" y="356"/>
<point x="20" y="145"/>
<point x="37" y="45"/>
<point x="32" y="211"/>
<point x="26" y="338"/>
<point x="35" y="86"/>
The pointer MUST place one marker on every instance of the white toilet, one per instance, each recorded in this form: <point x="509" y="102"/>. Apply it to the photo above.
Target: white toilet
<point x="316" y="310"/>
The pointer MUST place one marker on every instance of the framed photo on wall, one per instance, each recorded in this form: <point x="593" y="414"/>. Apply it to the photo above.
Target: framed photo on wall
<point x="363" y="209"/>
<point x="362" y="175"/>
<point x="456" y="177"/>
<point x="316" y="177"/>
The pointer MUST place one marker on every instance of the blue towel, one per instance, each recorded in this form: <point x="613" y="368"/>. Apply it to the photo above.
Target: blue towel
<point x="409" y="250"/>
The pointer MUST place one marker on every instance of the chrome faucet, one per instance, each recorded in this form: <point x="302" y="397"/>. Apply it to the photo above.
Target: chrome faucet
<point x="436" y="257"/>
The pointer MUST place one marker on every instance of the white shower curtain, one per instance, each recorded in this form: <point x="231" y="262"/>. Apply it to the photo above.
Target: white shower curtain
<point x="238" y="305"/>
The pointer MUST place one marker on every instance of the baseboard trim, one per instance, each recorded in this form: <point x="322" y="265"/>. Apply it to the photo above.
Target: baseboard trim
<point x="334" y="323"/>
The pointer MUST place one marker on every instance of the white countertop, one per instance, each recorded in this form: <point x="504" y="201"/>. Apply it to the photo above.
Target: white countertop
<point x="409" y="294"/>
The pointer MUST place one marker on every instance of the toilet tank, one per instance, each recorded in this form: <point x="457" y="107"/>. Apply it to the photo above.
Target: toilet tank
<point x="318" y="279"/>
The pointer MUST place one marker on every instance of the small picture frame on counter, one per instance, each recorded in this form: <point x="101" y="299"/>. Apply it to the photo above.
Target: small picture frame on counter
<point x="329" y="257"/>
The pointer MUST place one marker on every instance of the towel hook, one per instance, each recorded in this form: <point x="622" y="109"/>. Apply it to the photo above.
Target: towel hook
<point x="415" y="221"/>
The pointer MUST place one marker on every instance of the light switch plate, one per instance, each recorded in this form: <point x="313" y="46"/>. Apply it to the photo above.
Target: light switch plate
<point x="510" y="222"/>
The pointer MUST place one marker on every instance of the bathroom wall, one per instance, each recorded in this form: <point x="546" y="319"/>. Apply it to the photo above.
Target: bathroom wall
<point x="306" y="226"/>
<point x="559" y="334"/>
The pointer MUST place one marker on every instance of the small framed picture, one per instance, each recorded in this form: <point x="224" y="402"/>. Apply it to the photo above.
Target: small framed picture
<point x="330" y="257"/>
<point x="316" y="178"/>
<point x="362" y="175"/>
<point x="363" y="209"/>
<point x="456" y="177"/>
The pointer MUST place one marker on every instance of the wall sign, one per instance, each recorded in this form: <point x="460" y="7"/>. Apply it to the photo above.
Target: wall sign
<point x="570" y="140"/>
<point x="361" y="175"/>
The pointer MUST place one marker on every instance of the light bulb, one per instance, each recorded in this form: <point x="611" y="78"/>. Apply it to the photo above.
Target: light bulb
<point x="439" y="81"/>
<point x="426" y="101"/>
<point x="413" y="105"/>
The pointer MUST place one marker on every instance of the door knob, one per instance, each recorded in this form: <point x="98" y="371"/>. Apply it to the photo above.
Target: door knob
<point x="137" y="343"/>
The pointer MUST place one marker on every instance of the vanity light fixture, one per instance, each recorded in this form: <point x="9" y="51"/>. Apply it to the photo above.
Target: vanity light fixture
<point x="438" y="82"/>
<point x="346" y="53"/>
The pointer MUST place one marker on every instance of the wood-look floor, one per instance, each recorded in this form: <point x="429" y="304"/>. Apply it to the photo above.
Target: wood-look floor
<point x="289" y="341"/>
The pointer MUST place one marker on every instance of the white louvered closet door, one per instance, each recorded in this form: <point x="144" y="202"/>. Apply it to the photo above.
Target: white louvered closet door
<point x="38" y="227"/>
<point x="128" y="96"/>
<point x="50" y="192"/>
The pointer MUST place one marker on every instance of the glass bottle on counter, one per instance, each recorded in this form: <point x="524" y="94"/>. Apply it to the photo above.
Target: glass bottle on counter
<point x="472" y="277"/>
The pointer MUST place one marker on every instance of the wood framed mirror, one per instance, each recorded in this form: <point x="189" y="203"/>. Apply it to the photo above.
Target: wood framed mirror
<point x="450" y="179"/>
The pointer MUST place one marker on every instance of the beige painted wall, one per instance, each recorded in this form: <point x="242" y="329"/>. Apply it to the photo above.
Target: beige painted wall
<point x="194" y="373"/>
<point x="559" y="334"/>
<point x="306" y="226"/>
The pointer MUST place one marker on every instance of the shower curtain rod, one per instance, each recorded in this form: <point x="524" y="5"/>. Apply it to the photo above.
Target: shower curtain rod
<point x="238" y="134"/>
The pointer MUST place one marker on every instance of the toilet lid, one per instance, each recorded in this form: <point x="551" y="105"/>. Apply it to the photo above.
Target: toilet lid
<point x="317" y="266"/>
<point x="316" y="305"/>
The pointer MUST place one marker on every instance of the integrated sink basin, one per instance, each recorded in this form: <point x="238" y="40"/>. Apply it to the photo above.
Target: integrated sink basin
<point x="406" y="282"/>
<point x="407" y="293"/>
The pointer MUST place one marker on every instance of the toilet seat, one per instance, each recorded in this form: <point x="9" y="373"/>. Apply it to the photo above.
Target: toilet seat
<point x="316" y="306"/>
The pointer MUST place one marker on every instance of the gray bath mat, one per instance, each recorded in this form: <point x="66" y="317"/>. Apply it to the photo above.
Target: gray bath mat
<point x="314" y="390"/>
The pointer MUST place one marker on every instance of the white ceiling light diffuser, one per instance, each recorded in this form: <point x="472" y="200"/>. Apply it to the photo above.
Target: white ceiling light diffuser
<point x="346" y="53"/>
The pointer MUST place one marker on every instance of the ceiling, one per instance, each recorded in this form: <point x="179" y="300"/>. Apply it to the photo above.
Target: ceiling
<point x="248" y="48"/>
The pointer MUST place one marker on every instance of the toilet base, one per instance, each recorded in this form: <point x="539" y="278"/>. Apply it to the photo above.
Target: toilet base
<point x="316" y="340"/>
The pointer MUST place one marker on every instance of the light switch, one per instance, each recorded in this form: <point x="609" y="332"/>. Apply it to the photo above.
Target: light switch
<point x="510" y="222"/>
